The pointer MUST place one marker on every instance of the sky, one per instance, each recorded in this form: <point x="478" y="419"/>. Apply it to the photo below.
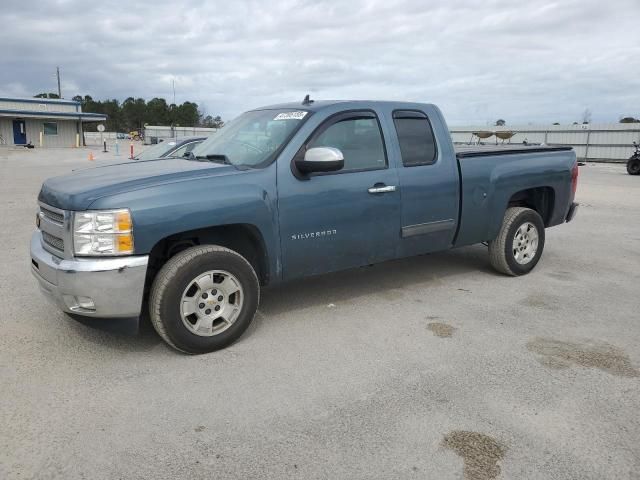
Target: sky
<point x="525" y="61"/>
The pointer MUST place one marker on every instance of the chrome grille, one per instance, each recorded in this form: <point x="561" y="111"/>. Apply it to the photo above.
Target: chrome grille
<point x="53" y="216"/>
<point x="53" y="241"/>
<point x="54" y="226"/>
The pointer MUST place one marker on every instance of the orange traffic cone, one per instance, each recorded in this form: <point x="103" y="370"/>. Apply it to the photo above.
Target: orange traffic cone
<point x="91" y="159"/>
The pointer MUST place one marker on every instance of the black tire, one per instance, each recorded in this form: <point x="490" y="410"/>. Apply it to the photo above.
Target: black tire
<point x="633" y="166"/>
<point x="174" y="277"/>
<point x="501" y="249"/>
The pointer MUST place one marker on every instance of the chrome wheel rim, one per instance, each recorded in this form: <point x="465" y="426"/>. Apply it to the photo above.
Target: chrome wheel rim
<point x="525" y="243"/>
<point x="211" y="303"/>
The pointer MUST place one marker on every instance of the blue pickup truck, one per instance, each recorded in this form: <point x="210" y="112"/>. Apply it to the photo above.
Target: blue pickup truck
<point x="284" y="192"/>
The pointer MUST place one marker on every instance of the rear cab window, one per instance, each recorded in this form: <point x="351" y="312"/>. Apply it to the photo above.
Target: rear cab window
<point x="416" y="138"/>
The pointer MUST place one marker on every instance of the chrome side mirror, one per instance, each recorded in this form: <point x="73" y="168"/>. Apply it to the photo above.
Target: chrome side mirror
<point x="321" y="159"/>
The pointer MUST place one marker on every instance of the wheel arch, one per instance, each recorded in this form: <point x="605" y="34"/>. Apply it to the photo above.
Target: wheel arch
<point x="540" y="199"/>
<point x="243" y="238"/>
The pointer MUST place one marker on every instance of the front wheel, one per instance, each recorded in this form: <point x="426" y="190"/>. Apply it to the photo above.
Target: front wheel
<point x="633" y="166"/>
<point x="203" y="299"/>
<point x="519" y="244"/>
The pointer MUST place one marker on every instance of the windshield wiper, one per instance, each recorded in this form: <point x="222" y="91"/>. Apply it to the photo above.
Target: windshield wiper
<point x="214" y="157"/>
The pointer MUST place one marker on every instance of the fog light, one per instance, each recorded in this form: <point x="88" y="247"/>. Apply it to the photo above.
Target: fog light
<point x="86" y="303"/>
<point x="79" y="303"/>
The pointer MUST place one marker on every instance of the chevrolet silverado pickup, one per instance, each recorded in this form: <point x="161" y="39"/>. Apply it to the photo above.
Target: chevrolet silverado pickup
<point x="280" y="193"/>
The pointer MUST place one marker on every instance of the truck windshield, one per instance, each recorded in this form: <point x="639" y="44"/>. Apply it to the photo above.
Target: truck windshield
<point x="252" y="139"/>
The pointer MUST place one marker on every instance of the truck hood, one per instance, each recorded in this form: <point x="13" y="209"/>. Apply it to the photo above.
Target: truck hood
<point x="79" y="189"/>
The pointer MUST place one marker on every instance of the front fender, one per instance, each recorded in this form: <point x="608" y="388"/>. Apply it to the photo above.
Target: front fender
<point x="161" y="211"/>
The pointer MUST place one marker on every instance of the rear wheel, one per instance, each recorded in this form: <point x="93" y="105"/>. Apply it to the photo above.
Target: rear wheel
<point x="203" y="299"/>
<point x="519" y="244"/>
<point x="633" y="166"/>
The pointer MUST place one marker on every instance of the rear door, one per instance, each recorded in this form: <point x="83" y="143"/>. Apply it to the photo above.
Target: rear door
<point x="332" y="221"/>
<point x="429" y="184"/>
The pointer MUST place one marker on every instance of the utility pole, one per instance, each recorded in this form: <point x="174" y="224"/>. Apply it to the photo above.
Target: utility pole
<point x="58" y="76"/>
<point x="173" y="86"/>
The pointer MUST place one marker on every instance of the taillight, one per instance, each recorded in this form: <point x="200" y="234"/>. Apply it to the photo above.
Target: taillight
<point x="574" y="178"/>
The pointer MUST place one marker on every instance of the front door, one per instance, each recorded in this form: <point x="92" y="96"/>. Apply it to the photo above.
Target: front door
<point x="343" y="219"/>
<point x="19" y="132"/>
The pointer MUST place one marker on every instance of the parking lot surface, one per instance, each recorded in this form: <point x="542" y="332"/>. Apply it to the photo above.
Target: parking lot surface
<point x="429" y="368"/>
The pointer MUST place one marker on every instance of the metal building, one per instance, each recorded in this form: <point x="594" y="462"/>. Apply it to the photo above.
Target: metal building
<point x="43" y="122"/>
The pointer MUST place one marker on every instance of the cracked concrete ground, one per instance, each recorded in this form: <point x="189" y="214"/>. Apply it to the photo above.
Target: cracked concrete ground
<point x="342" y="376"/>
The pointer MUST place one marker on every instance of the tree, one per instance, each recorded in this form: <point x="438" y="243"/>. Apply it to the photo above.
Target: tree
<point x="211" y="122"/>
<point x="157" y="112"/>
<point x="112" y="109"/>
<point x="185" y="115"/>
<point x="89" y="105"/>
<point x="134" y="113"/>
<point x="500" y="123"/>
<point x="46" y="95"/>
<point x="629" y="120"/>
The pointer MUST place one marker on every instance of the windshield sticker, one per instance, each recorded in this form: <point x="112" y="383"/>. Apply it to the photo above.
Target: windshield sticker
<point x="291" y="115"/>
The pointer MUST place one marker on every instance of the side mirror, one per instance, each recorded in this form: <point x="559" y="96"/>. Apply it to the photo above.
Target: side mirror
<point x="321" y="159"/>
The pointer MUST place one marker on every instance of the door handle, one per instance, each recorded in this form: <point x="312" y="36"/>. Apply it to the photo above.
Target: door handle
<point x="382" y="189"/>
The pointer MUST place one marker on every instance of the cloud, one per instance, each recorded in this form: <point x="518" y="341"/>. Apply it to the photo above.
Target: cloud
<point x="524" y="61"/>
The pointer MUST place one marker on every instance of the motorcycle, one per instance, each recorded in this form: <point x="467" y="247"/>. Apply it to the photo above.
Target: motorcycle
<point x="633" y="164"/>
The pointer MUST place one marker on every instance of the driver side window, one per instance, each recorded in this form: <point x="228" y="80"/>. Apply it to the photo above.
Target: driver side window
<point x="359" y="140"/>
<point x="186" y="148"/>
<point x="179" y="152"/>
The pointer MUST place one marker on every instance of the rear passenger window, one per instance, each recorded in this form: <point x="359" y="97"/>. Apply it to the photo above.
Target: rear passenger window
<point x="359" y="140"/>
<point x="417" y="143"/>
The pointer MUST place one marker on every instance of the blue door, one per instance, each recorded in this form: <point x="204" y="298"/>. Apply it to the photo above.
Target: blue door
<point x="428" y="184"/>
<point x="344" y="219"/>
<point x="19" y="132"/>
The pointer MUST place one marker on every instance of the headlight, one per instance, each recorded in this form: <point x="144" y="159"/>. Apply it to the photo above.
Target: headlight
<point x="103" y="233"/>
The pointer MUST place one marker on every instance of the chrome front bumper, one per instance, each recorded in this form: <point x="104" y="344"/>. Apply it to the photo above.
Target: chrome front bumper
<point x="114" y="285"/>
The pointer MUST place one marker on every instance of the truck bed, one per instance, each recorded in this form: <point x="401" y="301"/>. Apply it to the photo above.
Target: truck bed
<point x="466" y="151"/>
<point x="491" y="174"/>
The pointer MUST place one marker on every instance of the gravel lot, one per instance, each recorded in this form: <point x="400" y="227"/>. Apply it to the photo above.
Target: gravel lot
<point x="426" y="368"/>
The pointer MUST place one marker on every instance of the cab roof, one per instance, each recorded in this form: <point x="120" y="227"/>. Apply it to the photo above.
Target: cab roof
<point x="318" y="105"/>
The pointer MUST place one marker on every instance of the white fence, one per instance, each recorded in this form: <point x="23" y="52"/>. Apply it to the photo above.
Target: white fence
<point x="96" y="138"/>
<point x="160" y="132"/>
<point x="603" y="142"/>
<point x="155" y="133"/>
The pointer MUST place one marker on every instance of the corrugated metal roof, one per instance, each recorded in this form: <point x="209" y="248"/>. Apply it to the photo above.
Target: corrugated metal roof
<point x="39" y="114"/>
<point x="59" y="101"/>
